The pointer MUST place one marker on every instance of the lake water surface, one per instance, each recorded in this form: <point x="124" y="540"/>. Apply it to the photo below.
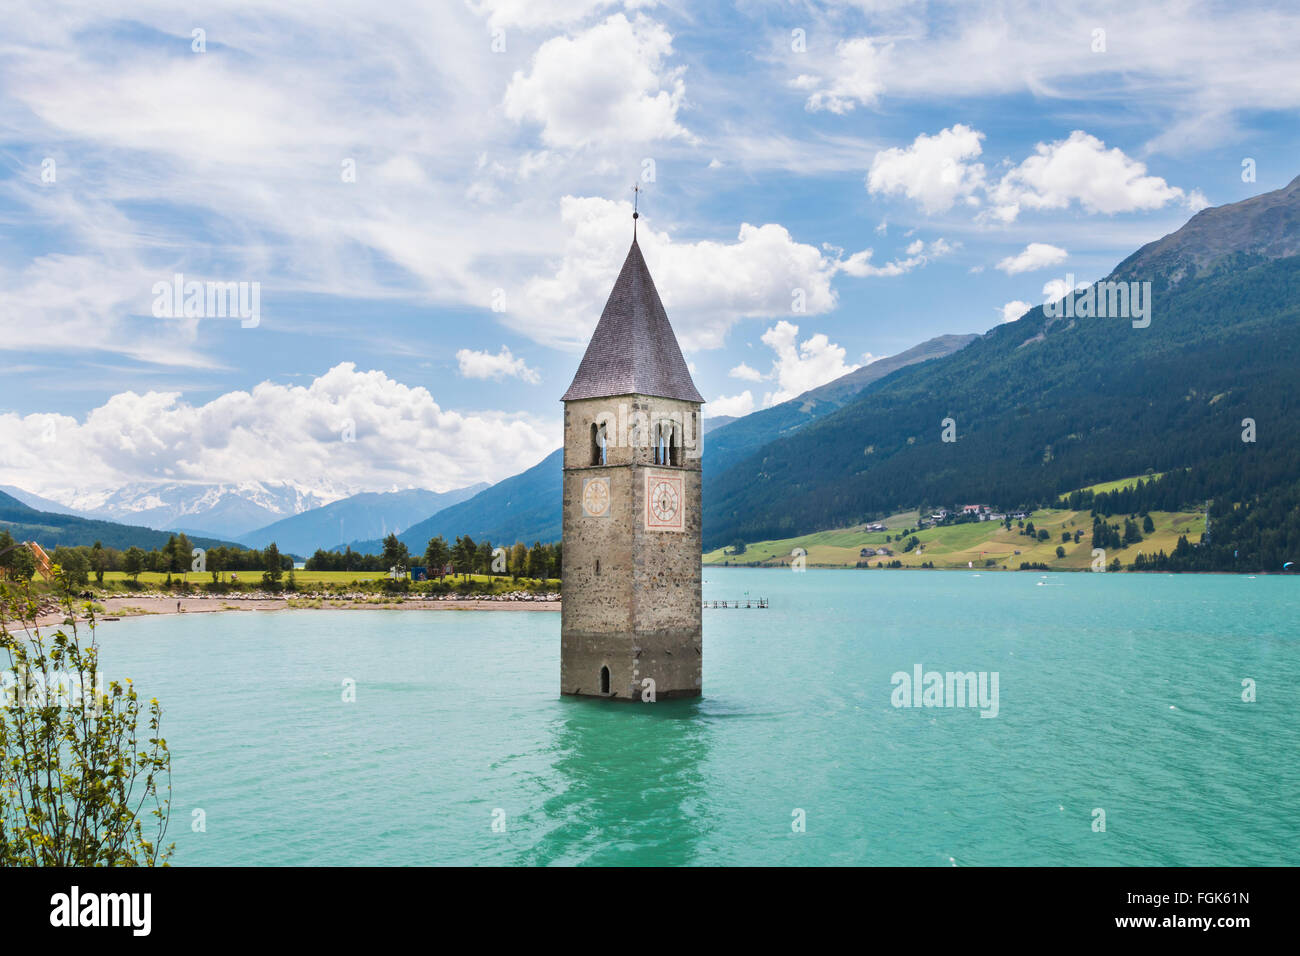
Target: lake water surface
<point x="1118" y="692"/>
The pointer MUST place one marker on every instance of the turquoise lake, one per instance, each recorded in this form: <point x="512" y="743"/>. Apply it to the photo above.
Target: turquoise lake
<point x="1118" y="692"/>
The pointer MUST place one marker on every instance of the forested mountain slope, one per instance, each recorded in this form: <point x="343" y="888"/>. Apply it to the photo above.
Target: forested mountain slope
<point x="1044" y="405"/>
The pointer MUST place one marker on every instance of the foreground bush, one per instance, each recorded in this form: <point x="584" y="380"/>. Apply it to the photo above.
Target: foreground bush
<point x="78" y="787"/>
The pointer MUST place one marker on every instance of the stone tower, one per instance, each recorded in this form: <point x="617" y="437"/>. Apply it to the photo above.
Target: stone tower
<point x="630" y="619"/>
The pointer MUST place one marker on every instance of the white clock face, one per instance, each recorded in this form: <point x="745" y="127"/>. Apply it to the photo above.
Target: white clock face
<point x="664" y="502"/>
<point x="595" y="497"/>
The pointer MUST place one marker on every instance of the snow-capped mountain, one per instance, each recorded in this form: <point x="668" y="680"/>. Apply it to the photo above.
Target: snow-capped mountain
<point x="357" y="517"/>
<point x="224" y="510"/>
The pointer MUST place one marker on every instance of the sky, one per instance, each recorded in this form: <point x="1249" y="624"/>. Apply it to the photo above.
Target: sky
<point x="429" y="202"/>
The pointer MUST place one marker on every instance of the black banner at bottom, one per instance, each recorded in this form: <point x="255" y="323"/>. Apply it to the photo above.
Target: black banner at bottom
<point x="302" y="905"/>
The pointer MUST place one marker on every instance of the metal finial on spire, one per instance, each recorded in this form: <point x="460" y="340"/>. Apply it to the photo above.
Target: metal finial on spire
<point x="636" y="197"/>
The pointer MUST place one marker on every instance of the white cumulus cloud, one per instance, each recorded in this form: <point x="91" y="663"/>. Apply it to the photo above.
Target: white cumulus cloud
<point x="475" y="364"/>
<point x="733" y="405"/>
<point x="706" y="286"/>
<point x="348" y="431"/>
<point x="935" y="171"/>
<point x="855" y="78"/>
<point x="1014" y="310"/>
<point x="800" y="366"/>
<point x="796" y="367"/>
<point x="1037" y="255"/>
<point x="1080" y="169"/>
<point x="607" y="83"/>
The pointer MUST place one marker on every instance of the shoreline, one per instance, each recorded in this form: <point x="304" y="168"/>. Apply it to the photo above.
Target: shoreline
<point x="118" y="608"/>
<point x="1050" y="570"/>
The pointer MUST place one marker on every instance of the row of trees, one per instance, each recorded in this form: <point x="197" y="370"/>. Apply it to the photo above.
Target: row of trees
<point x="463" y="557"/>
<point x="1105" y="535"/>
<point x="177" y="557"/>
<point x="346" y="560"/>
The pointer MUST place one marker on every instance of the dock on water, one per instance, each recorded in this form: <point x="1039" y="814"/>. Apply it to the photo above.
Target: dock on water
<point x="743" y="602"/>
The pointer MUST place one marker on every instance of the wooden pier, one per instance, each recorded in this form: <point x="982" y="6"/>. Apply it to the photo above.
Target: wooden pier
<point x="743" y="602"/>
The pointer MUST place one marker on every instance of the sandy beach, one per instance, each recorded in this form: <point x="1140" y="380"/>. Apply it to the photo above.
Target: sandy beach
<point x="140" y="605"/>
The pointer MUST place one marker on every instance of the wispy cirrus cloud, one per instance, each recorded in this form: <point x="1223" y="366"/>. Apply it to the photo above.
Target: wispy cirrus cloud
<point x="1181" y="63"/>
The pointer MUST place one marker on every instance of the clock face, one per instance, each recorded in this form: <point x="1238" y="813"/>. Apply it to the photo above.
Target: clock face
<point x="664" y="502"/>
<point x="595" y="497"/>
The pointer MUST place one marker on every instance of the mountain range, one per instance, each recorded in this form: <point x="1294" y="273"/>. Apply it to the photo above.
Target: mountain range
<point x="227" y="509"/>
<point x="144" y="513"/>
<point x="369" y="515"/>
<point x="1052" y="402"/>
<point x="525" y="507"/>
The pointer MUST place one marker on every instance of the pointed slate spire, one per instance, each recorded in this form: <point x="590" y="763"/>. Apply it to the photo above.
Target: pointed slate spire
<point x="633" y="350"/>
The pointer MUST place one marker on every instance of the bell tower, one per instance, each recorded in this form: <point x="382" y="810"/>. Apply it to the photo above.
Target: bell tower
<point x="630" y="621"/>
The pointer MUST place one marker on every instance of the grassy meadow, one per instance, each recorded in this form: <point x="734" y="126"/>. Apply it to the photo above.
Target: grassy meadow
<point x="980" y="544"/>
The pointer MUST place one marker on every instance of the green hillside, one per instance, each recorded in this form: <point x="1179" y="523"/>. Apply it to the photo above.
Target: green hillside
<point x="983" y="545"/>
<point x="1044" y="405"/>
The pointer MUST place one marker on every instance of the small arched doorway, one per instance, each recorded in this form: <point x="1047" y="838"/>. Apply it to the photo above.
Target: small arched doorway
<point x="604" y="680"/>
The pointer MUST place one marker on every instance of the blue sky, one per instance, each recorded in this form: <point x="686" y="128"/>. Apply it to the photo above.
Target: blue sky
<point x="913" y="168"/>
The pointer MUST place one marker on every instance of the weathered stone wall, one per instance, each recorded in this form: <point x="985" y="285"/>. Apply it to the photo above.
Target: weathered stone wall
<point x="639" y="613"/>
